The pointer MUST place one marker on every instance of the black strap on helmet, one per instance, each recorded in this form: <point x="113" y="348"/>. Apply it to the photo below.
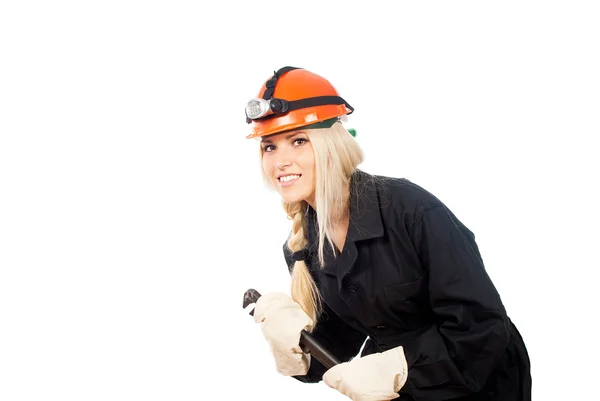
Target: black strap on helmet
<point x="272" y="82"/>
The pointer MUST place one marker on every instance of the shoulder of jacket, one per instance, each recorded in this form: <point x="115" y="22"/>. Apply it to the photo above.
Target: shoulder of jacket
<point x="405" y="193"/>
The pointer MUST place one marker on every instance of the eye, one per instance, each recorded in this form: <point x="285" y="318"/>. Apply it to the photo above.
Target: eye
<point x="268" y="148"/>
<point x="300" y="141"/>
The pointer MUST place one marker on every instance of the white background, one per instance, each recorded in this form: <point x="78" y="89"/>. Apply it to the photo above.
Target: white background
<point x="132" y="212"/>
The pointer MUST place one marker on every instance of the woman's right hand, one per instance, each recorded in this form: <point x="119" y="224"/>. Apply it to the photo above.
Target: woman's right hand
<point x="282" y="320"/>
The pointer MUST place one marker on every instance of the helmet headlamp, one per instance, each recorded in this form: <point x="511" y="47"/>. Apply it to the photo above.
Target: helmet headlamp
<point x="258" y="108"/>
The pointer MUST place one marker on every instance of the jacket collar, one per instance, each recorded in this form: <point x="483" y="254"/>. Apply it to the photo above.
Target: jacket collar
<point x="365" y="223"/>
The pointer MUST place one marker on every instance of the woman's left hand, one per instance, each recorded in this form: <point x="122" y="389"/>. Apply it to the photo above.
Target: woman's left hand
<point x="375" y="377"/>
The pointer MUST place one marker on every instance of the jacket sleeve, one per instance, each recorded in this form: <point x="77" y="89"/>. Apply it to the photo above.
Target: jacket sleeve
<point x="334" y="334"/>
<point x="456" y="355"/>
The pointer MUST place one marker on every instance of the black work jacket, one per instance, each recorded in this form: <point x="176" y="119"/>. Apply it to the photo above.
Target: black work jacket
<point x="410" y="274"/>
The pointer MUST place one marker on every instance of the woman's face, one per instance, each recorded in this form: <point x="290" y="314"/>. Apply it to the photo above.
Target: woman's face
<point x="289" y="162"/>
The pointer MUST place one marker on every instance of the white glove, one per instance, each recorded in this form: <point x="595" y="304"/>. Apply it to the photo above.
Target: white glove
<point x="375" y="377"/>
<point x="282" y="319"/>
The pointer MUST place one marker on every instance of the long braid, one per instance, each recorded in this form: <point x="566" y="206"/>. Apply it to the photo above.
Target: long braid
<point x="304" y="290"/>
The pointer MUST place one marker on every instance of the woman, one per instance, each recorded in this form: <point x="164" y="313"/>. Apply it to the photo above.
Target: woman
<point x="376" y="262"/>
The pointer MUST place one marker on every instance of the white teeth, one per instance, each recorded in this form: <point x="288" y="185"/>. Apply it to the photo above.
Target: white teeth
<point x="288" y="178"/>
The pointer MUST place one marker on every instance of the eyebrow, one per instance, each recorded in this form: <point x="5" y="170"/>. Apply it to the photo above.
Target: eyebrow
<point x="287" y="137"/>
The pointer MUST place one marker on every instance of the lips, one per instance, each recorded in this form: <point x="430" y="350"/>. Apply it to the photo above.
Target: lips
<point x="288" y="179"/>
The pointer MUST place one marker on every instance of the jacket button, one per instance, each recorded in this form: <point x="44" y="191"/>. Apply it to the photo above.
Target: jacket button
<point x="352" y="288"/>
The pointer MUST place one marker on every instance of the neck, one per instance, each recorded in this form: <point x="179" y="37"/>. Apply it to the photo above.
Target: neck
<point x="339" y="212"/>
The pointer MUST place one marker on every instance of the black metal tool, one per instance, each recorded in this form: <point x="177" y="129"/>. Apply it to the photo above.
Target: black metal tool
<point x="307" y="342"/>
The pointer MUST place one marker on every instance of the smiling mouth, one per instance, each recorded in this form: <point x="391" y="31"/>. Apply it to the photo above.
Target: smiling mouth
<point x="289" y="178"/>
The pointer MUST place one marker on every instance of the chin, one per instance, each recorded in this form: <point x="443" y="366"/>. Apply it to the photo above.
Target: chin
<point x="292" y="198"/>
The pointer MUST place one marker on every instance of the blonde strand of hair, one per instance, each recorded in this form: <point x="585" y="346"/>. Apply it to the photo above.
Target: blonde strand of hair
<point x="303" y="288"/>
<point x="337" y="156"/>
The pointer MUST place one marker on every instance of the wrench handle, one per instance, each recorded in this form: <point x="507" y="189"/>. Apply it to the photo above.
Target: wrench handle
<point x="310" y="345"/>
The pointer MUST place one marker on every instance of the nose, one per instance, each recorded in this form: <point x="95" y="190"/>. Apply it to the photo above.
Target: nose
<point x="283" y="159"/>
<point x="283" y="163"/>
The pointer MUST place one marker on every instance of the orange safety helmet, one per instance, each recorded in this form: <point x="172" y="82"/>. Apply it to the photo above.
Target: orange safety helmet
<point x="293" y="98"/>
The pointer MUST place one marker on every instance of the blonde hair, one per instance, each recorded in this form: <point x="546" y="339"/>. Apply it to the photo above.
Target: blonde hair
<point x="337" y="155"/>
